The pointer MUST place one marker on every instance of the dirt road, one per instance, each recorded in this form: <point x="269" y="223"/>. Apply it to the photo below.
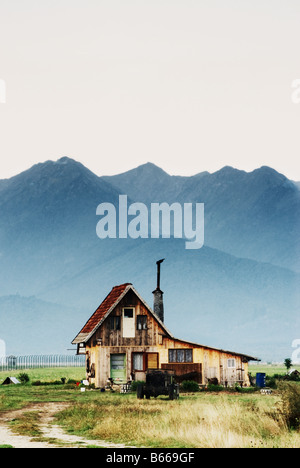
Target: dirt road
<point x="49" y="430"/>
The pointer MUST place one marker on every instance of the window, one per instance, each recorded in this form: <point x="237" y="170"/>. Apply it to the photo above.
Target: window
<point x="128" y="313"/>
<point x="138" y="361"/>
<point x="180" y="355"/>
<point x="115" y="322"/>
<point x="81" y="348"/>
<point x="230" y="362"/>
<point x="152" y="360"/>
<point x="141" y="322"/>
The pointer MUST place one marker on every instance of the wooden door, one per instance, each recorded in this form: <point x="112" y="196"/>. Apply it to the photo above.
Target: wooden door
<point x="118" y="367"/>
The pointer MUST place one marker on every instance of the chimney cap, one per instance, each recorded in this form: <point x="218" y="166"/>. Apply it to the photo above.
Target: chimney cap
<point x="160" y="261"/>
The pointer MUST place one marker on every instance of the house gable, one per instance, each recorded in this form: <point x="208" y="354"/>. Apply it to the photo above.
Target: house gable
<point x="100" y="328"/>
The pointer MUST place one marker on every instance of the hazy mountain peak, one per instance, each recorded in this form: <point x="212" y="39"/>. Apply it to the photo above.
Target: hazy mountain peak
<point x="65" y="160"/>
<point x="146" y="169"/>
<point x="62" y="171"/>
<point x="267" y="171"/>
<point x="227" y="172"/>
<point x="267" y="176"/>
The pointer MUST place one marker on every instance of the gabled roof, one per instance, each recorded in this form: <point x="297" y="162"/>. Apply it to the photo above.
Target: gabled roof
<point x="106" y="307"/>
<point x="112" y="300"/>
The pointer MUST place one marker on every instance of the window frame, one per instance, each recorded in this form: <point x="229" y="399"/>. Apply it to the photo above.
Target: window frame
<point x="176" y="351"/>
<point x="141" y="322"/>
<point x="115" y="322"/>
<point x="233" y="361"/>
<point x="125" y="311"/>
<point x="143" y="361"/>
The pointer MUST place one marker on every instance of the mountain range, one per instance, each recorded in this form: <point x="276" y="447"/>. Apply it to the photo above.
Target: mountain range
<point x="239" y="292"/>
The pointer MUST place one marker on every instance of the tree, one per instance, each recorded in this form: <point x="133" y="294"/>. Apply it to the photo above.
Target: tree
<point x="288" y="363"/>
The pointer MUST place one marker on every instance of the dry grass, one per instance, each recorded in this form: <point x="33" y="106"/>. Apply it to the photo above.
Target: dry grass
<point x="27" y="424"/>
<point x="199" y="420"/>
<point x="206" y="421"/>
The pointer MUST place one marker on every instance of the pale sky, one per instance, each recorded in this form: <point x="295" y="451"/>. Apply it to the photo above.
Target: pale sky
<point x="190" y="85"/>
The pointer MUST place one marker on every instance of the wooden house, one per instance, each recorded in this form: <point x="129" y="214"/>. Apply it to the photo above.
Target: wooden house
<point x="125" y="337"/>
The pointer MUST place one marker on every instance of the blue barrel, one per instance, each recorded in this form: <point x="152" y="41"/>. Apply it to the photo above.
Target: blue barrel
<point x="260" y="380"/>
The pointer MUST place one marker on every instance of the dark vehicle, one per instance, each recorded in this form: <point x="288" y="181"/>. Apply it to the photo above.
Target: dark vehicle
<point x="159" y="382"/>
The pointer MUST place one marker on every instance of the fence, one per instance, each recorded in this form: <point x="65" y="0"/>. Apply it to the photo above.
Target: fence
<point x="40" y="361"/>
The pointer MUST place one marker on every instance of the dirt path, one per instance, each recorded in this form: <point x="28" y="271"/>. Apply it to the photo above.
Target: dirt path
<point x="49" y="430"/>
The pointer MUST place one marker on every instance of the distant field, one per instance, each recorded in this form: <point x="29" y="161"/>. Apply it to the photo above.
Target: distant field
<point x="48" y="374"/>
<point x="270" y="369"/>
<point x="78" y="373"/>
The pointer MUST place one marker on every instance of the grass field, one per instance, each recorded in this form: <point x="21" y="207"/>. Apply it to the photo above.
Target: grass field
<point x="47" y="375"/>
<point x="78" y="373"/>
<point x="270" y="369"/>
<point x="196" y="420"/>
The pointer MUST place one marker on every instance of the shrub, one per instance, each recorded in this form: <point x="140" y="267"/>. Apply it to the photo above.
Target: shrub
<point x="293" y="377"/>
<point x="135" y="383"/>
<point x="218" y="388"/>
<point x="23" y="378"/>
<point x="271" y="382"/>
<point x="290" y="397"/>
<point x="189" y="386"/>
<point x="36" y="383"/>
<point x="274" y="380"/>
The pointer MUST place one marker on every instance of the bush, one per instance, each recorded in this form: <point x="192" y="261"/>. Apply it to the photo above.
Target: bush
<point x="290" y="397"/>
<point x="271" y="382"/>
<point x="23" y="378"/>
<point x="36" y="383"/>
<point x="217" y="388"/>
<point x="293" y="377"/>
<point x="189" y="386"/>
<point x="135" y="383"/>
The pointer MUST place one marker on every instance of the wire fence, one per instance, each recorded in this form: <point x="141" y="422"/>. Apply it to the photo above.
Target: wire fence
<point x="9" y="363"/>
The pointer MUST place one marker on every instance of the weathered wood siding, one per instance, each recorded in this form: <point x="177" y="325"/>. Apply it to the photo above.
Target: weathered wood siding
<point x="148" y="337"/>
<point x="208" y="363"/>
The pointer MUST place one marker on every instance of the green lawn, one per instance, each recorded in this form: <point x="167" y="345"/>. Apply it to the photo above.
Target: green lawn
<point x="270" y="369"/>
<point x="48" y="374"/>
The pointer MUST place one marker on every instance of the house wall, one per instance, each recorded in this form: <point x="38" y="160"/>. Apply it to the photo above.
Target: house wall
<point x="105" y="342"/>
<point x="214" y="363"/>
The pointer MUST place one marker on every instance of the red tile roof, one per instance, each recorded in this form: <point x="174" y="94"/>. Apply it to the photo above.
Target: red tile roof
<point x="104" y="307"/>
